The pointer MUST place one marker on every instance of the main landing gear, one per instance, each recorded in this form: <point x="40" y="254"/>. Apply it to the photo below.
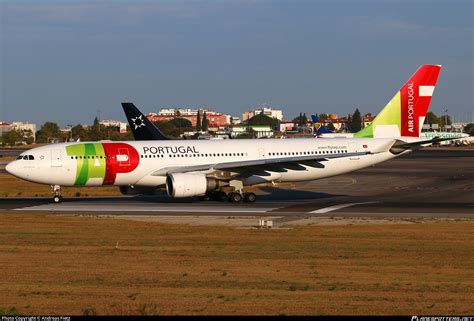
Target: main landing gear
<point x="236" y="197"/>
<point x="232" y="197"/>
<point x="56" y="190"/>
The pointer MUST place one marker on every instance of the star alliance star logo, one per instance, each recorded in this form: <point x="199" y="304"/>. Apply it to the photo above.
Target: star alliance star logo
<point x="138" y="122"/>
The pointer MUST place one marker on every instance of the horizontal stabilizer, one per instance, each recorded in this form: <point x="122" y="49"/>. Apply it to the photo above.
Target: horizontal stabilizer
<point x="400" y="146"/>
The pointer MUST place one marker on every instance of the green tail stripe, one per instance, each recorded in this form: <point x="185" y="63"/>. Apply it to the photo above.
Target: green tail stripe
<point x="390" y="115"/>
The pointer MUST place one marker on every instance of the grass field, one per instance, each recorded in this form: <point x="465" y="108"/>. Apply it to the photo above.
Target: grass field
<point x="87" y="265"/>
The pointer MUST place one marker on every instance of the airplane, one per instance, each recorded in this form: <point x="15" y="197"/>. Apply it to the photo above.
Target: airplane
<point x="223" y="169"/>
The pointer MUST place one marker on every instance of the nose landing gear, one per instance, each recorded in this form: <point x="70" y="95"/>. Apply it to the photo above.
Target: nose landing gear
<point x="56" y="190"/>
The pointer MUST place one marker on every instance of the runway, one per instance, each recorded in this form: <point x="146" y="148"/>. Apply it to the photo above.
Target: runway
<point x="436" y="182"/>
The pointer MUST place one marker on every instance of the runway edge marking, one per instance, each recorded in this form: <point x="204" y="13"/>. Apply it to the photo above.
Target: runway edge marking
<point x="337" y="207"/>
<point x="55" y="208"/>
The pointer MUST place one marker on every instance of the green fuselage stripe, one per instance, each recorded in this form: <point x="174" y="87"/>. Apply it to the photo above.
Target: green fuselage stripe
<point x="90" y="161"/>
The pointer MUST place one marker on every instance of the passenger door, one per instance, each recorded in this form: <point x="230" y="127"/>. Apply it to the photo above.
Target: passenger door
<point x="123" y="157"/>
<point x="353" y="149"/>
<point x="56" y="159"/>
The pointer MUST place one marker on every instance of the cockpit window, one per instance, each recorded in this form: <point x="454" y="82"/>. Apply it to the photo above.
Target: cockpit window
<point x="26" y="157"/>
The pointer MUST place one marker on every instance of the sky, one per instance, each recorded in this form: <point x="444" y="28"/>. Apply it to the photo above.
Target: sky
<point x="62" y="61"/>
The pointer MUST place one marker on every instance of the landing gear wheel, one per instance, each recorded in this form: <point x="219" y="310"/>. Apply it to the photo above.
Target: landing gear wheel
<point x="234" y="197"/>
<point x="56" y="190"/>
<point x="250" y="197"/>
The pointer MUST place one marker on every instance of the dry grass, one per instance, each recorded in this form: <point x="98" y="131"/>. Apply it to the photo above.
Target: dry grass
<point x="71" y="265"/>
<point x="11" y="186"/>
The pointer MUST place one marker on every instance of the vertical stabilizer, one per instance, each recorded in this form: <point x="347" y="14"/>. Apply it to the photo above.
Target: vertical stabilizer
<point x="405" y="114"/>
<point x="142" y="128"/>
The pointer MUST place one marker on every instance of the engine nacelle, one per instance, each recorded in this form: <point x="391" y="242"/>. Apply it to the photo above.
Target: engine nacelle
<point x="189" y="184"/>
<point x="137" y="190"/>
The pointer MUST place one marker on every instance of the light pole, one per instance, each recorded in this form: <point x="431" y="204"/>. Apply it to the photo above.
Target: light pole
<point x="445" y="119"/>
<point x="70" y="127"/>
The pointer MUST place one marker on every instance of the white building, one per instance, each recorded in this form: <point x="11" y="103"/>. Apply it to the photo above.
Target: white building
<point x="114" y="123"/>
<point x="274" y="113"/>
<point x="259" y="131"/>
<point x="287" y="126"/>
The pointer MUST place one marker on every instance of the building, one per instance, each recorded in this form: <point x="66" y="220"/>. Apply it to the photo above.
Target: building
<point x="4" y="127"/>
<point x="259" y="131"/>
<point x="286" y="126"/>
<point x="26" y="128"/>
<point x="340" y="124"/>
<point x="278" y="114"/>
<point x="114" y="123"/>
<point x="214" y="118"/>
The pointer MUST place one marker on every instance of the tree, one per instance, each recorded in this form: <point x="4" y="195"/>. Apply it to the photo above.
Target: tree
<point x="28" y="136"/>
<point x="323" y="116"/>
<point x="331" y="127"/>
<point x="205" y="123"/>
<point x="469" y="129"/>
<point x="79" y="132"/>
<point x="198" y="122"/>
<point x="355" y="123"/>
<point x="262" y="119"/>
<point x="95" y="132"/>
<point x="48" y="130"/>
<point x="444" y="120"/>
<point x="301" y="120"/>
<point x="431" y="118"/>
<point x="181" y="123"/>
<point x="12" y="137"/>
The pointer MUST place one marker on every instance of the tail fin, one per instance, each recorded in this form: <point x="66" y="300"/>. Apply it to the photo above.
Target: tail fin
<point x="405" y="114"/>
<point x="141" y="127"/>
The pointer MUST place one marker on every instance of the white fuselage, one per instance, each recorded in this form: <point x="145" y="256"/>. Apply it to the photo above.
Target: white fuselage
<point x="144" y="163"/>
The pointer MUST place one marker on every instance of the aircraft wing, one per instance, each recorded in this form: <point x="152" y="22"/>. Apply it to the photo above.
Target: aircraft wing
<point x="294" y="162"/>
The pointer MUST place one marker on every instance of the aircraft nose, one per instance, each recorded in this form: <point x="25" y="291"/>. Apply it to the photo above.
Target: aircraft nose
<point x="12" y="168"/>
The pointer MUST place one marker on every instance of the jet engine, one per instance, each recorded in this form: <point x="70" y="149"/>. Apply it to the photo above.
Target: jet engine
<point x="189" y="184"/>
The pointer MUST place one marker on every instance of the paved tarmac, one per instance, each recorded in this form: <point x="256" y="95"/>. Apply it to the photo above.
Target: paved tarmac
<point x="436" y="182"/>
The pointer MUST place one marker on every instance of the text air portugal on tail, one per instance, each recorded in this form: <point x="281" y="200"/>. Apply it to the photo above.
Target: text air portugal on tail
<point x="405" y="114"/>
